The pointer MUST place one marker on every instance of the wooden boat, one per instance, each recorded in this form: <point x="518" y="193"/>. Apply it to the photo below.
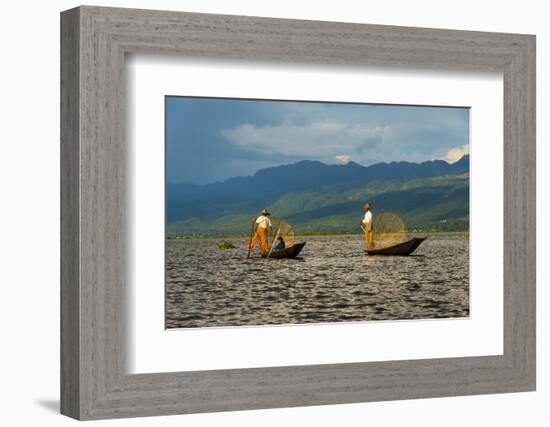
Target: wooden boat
<point x="289" y="252"/>
<point x="404" y="248"/>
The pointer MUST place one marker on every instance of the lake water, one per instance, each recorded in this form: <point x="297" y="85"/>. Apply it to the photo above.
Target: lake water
<point x="332" y="281"/>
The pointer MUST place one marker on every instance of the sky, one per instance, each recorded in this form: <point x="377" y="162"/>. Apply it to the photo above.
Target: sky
<point x="212" y="139"/>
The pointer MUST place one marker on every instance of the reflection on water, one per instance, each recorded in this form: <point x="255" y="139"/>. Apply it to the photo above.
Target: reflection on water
<point x="333" y="281"/>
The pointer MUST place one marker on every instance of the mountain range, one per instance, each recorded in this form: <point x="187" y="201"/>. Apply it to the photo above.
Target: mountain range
<point x="320" y="198"/>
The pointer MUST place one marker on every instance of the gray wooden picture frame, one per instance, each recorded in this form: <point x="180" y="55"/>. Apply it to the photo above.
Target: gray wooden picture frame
<point x="94" y="381"/>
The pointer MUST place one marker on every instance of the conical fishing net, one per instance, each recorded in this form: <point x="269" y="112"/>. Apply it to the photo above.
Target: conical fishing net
<point x="281" y="228"/>
<point x="388" y="229"/>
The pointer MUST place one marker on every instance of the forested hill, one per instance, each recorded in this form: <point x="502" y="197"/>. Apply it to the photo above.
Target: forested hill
<point x="316" y="197"/>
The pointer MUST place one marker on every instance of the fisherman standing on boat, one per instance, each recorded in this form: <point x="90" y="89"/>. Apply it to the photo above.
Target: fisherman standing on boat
<point x="367" y="225"/>
<point x="264" y="227"/>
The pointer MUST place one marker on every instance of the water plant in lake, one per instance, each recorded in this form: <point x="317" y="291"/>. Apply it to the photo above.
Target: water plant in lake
<point x="224" y="244"/>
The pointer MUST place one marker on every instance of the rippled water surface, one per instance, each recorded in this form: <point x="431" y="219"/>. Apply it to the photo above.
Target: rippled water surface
<point x="332" y="281"/>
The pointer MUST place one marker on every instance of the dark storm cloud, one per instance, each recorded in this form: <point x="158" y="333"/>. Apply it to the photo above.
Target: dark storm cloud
<point x="214" y="139"/>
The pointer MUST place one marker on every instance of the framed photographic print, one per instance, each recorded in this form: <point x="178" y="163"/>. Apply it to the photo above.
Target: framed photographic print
<point x="295" y="165"/>
<point x="261" y="213"/>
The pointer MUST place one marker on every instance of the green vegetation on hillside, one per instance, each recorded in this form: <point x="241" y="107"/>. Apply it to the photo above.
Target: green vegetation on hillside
<point x="428" y="204"/>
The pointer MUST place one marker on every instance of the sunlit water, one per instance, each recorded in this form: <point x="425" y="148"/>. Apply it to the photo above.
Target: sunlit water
<point x="332" y="281"/>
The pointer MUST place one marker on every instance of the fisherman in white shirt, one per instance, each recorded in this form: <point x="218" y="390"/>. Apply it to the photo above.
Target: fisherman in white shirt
<point x="367" y="224"/>
<point x="264" y="227"/>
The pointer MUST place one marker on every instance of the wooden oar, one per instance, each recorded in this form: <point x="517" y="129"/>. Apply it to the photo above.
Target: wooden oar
<point x="365" y="234"/>
<point x="274" y="240"/>
<point x="250" y="241"/>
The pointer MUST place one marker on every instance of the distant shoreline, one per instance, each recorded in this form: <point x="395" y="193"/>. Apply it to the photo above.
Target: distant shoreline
<point x="307" y="234"/>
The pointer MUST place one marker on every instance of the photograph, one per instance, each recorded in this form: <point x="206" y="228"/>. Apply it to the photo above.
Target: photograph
<point x="282" y="212"/>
